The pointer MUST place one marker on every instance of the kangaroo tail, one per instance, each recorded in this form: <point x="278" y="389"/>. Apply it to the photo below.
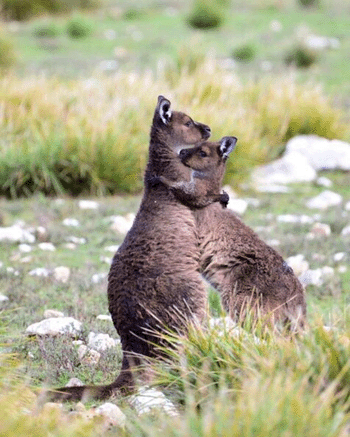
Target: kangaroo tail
<point x="123" y="385"/>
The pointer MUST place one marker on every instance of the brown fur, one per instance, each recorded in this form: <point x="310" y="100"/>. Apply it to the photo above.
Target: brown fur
<point x="247" y="272"/>
<point x="154" y="281"/>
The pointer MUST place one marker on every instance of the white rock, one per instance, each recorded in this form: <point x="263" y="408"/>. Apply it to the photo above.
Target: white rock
<point x="295" y="219"/>
<point x="100" y="342"/>
<point x="292" y="167"/>
<point x="52" y="313"/>
<point x="106" y="259"/>
<point x="298" y="263"/>
<point x="253" y="202"/>
<point x="88" y="204"/>
<point x="149" y="399"/>
<point x="97" y="278"/>
<point x="345" y="231"/>
<point x="40" y="271"/>
<point x="26" y="259"/>
<point x="272" y="188"/>
<point x="74" y="382"/>
<point x="12" y="270"/>
<point x="316" y="277"/>
<point x="1" y="264"/>
<point x="273" y="242"/>
<point x="324" y="182"/>
<point x="237" y="205"/>
<point x="339" y="256"/>
<point x="320" y="230"/>
<point x="316" y="42"/>
<point x="342" y="269"/>
<point x="70" y="246"/>
<point x="112" y="413"/>
<point x="76" y="240"/>
<point x="71" y="222"/>
<point x="325" y="200"/>
<point x="62" y="274"/>
<point x="88" y="356"/>
<point x="3" y="299"/>
<point x="41" y="233"/>
<point x="275" y="26"/>
<point x="122" y="224"/>
<point x="112" y="249"/>
<point x="347" y="206"/>
<point x="25" y="248"/>
<point x="104" y="317"/>
<point x="222" y="323"/>
<point x="16" y="234"/>
<point x="55" y="326"/>
<point x="321" y="153"/>
<point x="49" y="247"/>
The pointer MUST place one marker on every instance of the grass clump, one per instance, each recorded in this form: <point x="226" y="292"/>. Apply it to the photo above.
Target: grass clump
<point x="47" y="30"/>
<point x="206" y="14"/>
<point x="244" y="53"/>
<point x="7" y="52"/>
<point x="79" y="27"/>
<point x="309" y="3"/>
<point x="301" y="56"/>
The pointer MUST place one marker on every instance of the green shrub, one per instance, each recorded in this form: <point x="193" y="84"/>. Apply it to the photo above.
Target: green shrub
<point x="206" y="14"/>
<point x="301" y="56"/>
<point x="244" y="53"/>
<point x="309" y="3"/>
<point x="7" y="52"/>
<point x="20" y="10"/>
<point x="79" y="27"/>
<point x="132" y="14"/>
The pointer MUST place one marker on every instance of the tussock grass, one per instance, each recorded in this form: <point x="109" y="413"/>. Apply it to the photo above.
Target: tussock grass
<point x="91" y="136"/>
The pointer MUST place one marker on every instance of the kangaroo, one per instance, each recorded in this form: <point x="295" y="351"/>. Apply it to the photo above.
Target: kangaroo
<point x="154" y="281"/>
<point x="247" y="272"/>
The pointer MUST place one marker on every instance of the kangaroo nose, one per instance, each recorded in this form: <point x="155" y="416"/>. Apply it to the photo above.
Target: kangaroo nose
<point x="207" y="129"/>
<point x="182" y="153"/>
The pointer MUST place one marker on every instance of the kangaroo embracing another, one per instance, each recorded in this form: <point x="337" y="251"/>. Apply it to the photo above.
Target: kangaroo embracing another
<point x="247" y="272"/>
<point x="154" y="281"/>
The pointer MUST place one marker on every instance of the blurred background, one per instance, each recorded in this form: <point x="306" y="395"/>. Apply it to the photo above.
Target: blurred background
<point x="79" y="81"/>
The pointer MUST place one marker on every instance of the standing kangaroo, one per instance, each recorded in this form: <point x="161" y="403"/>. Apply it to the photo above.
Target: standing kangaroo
<point x="247" y="272"/>
<point x="154" y="281"/>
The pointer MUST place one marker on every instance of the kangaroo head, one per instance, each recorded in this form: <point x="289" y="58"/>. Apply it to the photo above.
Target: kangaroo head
<point x="176" y="129"/>
<point x="208" y="160"/>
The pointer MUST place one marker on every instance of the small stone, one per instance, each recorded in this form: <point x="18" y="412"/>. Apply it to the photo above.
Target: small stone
<point x="62" y="274"/>
<point x="26" y="259"/>
<point x="317" y="277"/>
<point x="297" y="219"/>
<point x="342" y="269"/>
<point x="104" y="317"/>
<point x="237" y="205"/>
<point x="112" y="413"/>
<point x="149" y="399"/>
<point x="25" y="248"/>
<point x="325" y="200"/>
<point x="106" y="259"/>
<point x="76" y="240"/>
<point x="55" y="326"/>
<point x="16" y="234"/>
<point x="339" y="256"/>
<point x="273" y="242"/>
<point x="70" y="246"/>
<point x="1" y="264"/>
<point x="320" y="230"/>
<point x="298" y="263"/>
<point x="324" y="182"/>
<point x="345" y="231"/>
<point x="100" y="342"/>
<point x="112" y="249"/>
<point x="72" y="222"/>
<point x="74" y="382"/>
<point x="49" y="247"/>
<point x="12" y="270"/>
<point x="122" y="224"/>
<point x="97" y="278"/>
<point x="347" y="206"/>
<point x="52" y="313"/>
<point x="88" y="356"/>
<point x="88" y="204"/>
<point x="40" y="271"/>
<point x="3" y="299"/>
<point x="41" y="233"/>
<point x="79" y="407"/>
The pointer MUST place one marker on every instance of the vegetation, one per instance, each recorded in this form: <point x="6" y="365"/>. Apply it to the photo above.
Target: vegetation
<point x="244" y="53"/>
<point x="7" y="52"/>
<point x="91" y="136"/>
<point x="206" y="14"/>
<point x="79" y="27"/>
<point x="301" y="56"/>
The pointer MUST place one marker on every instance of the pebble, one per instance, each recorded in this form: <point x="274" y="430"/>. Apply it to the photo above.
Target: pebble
<point x="40" y="271"/>
<point x="52" y="313"/>
<point x="325" y="200"/>
<point x="345" y="231"/>
<point x="62" y="274"/>
<point x="320" y="230"/>
<point x="88" y="356"/>
<point x="97" y="278"/>
<point x="100" y="342"/>
<point x="25" y="248"/>
<point x="148" y="399"/>
<point x="112" y="413"/>
<point x="88" y="204"/>
<point x="55" y="326"/>
<point x="49" y="247"/>
<point x="71" y="222"/>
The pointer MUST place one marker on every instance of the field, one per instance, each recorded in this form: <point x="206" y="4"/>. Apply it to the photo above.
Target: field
<point x="61" y="111"/>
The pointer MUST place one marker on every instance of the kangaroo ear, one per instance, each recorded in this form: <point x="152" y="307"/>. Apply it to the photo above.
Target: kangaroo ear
<point x="227" y="144"/>
<point x="163" y="109"/>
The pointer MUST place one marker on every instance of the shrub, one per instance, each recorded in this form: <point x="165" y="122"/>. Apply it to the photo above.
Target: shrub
<point x="206" y="14"/>
<point x="244" y="53"/>
<point x="79" y="27"/>
<point x="20" y="10"/>
<point x="309" y="3"/>
<point x="301" y="56"/>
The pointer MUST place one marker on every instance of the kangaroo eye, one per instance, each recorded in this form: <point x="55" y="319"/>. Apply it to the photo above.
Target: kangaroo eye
<point x="203" y="154"/>
<point x="188" y="123"/>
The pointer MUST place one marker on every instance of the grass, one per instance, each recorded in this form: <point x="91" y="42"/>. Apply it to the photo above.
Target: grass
<point x="86" y="138"/>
